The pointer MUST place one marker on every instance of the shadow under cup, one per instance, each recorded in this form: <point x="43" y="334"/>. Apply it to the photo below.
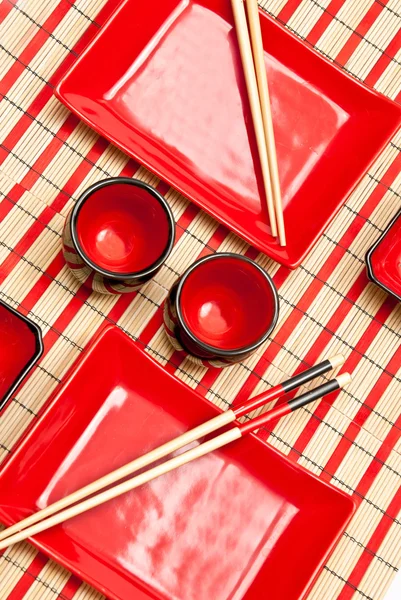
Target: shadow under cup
<point x="118" y="235"/>
<point x="221" y="310"/>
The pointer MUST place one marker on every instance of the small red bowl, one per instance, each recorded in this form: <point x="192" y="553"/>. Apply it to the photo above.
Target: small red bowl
<point x="222" y="308"/>
<point x="118" y="235"/>
<point x="20" y="348"/>
<point x="383" y="259"/>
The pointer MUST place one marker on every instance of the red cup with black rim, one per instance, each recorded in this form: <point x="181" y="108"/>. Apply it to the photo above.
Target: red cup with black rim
<point x="221" y="309"/>
<point x="118" y="235"/>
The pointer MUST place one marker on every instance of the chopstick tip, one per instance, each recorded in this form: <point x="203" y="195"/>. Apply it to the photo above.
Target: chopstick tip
<point x="344" y="379"/>
<point x="337" y="361"/>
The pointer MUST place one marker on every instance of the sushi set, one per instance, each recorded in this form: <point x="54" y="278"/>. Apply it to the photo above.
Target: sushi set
<point x="147" y="481"/>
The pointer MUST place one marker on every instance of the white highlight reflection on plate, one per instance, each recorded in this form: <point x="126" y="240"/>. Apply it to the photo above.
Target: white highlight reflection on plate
<point x="116" y="399"/>
<point x="242" y="519"/>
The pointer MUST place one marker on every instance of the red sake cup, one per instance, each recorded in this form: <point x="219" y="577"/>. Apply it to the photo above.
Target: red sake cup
<point x="118" y="235"/>
<point x="221" y="309"/>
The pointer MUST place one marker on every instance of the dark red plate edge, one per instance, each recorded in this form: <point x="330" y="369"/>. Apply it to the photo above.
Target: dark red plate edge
<point x="37" y="333"/>
<point x="269" y="251"/>
<point x="52" y="401"/>
<point x="369" y="254"/>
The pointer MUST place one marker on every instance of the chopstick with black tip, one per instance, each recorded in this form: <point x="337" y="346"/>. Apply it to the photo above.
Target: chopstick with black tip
<point x="289" y="385"/>
<point x="219" y="441"/>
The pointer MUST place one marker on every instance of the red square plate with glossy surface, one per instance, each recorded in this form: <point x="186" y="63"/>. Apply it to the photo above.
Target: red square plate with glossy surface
<point x="21" y="347"/>
<point x="165" y="84"/>
<point x="383" y="259"/>
<point x="243" y="522"/>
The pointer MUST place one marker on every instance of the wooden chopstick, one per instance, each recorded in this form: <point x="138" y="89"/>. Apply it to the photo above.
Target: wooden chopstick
<point x="217" y="442"/>
<point x="183" y="440"/>
<point x="253" y="95"/>
<point x="264" y="96"/>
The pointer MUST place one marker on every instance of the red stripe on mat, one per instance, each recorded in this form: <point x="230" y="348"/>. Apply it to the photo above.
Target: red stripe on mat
<point x="44" y="95"/>
<point x="33" y="47"/>
<point x="25" y="243"/>
<point x="379" y="388"/>
<point x="152" y="327"/>
<point x="362" y="489"/>
<point x="49" y="152"/>
<point x="360" y="31"/>
<point x="350" y="365"/>
<point x="324" y="21"/>
<point x="130" y="168"/>
<point x="120" y="307"/>
<point x="6" y="8"/>
<point x="373" y="469"/>
<point x="71" y="587"/>
<point x="14" y="195"/>
<point x="382" y="529"/>
<point x="361" y="417"/>
<point x="77" y="177"/>
<point x="28" y="578"/>
<point x="43" y="283"/>
<point x="288" y="10"/>
<point x="384" y="61"/>
<point x="62" y="198"/>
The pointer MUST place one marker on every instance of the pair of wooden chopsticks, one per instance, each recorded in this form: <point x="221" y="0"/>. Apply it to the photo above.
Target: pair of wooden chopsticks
<point x="58" y="512"/>
<point x="252" y="57"/>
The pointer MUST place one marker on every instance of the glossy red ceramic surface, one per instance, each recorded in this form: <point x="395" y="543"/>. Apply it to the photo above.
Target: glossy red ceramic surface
<point x="20" y="348"/>
<point x="122" y="228"/>
<point x="227" y="303"/>
<point x="243" y="522"/>
<point x="384" y="259"/>
<point x="171" y="93"/>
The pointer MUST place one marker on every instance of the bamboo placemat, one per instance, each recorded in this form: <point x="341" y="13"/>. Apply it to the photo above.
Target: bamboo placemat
<point x="47" y="157"/>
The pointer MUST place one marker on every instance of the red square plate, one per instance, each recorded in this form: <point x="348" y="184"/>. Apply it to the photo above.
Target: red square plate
<point x="21" y="347"/>
<point x="243" y="522"/>
<point x="165" y="84"/>
<point x="383" y="259"/>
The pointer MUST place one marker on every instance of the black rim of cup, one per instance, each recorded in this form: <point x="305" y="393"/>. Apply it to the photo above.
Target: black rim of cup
<point x="136" y="183"/>
<point x="215" y="349"/>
